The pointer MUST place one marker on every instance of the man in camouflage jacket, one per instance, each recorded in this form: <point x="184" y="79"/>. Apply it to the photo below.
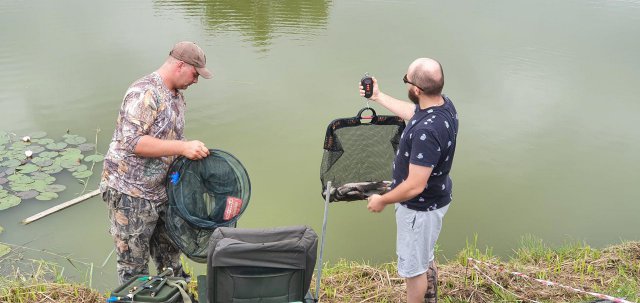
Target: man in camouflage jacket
<point x="147" y="138"/>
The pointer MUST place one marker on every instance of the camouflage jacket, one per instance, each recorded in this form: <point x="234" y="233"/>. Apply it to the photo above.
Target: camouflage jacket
<point x="148" y="108"/>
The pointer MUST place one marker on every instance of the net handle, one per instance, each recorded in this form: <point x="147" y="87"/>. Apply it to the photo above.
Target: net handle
<point x="373" y="117"/>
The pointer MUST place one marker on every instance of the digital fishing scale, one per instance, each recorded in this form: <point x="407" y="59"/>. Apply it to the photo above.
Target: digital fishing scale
<point x="367" y="85"/>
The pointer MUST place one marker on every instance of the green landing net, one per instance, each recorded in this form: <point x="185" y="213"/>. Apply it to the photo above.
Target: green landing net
<point x="358" y="155"/>
<point x="204" y="195"/>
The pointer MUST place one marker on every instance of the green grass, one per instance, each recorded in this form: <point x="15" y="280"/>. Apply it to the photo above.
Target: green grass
<point x="614" y="271"/>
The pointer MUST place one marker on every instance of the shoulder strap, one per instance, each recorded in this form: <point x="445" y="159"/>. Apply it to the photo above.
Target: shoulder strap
<point x="181" y="285"/>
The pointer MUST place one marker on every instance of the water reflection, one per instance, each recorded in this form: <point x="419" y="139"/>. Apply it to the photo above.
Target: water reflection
<point x="259" y="21"/>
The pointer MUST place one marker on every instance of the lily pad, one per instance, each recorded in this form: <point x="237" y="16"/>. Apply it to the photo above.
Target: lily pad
<point x="56" y="188"/>
<point x="20" y="187"/>
<point x="20" y="179"/>
<point x="56" y="146"/>
<point x="69" y="164"/>
<point x="86" y="146"/>
<point x="94" y="158"/>
<point x="82" y="174"/>
<point x="11" y="163"/>
<point x="4" y="249"/>
<point x="72" y="155"/>
<point x="27" y="168"/>
<point x="47" y="179"/>
<point x="19" y="145"/>
<point x="17" y="153"/>
<point x="25" y="177"/>
<point x="26" y="195"/>
<point x="36" y="149"/>
<point x="72" y="151"/>
<point x="74" y="139"/>
<point x="9" y="201"/>
<point x="48" y="154"/>
<point x="46" y="196"/>
<point x="53" y="169"/>
<point x="37" y="135"/>
<point x="41" y="176"/>
<point x="39" y="185"/>
<point x="78" y="168"/>
<point x="45" y="141"/>
<point x="42" y="162"/>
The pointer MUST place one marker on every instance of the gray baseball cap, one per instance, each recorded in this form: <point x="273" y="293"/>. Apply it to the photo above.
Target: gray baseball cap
<point x="190" y="53"/>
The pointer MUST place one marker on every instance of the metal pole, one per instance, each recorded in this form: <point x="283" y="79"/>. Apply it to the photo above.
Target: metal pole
<point x="327" y="195"/>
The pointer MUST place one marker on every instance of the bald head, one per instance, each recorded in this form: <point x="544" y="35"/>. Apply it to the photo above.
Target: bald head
<point x="427" y="74"/>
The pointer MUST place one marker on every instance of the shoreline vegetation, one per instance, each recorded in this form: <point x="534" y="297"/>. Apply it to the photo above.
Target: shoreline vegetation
<point x="614" y="271"/>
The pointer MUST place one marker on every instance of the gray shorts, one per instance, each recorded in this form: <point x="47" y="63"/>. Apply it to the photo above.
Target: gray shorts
<point x="417" y="233"/>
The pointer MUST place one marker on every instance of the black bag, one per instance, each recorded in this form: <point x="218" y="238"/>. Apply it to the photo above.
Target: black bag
<point x="260" y="265"/>
<point x="148" y="289"/>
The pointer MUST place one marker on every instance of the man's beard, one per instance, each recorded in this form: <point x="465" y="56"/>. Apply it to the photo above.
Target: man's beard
<point x="413" y="97"/>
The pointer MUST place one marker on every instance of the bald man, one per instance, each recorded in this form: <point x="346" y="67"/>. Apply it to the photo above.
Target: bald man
<point x="421" y="186"/>
<point x="147" y="137"/>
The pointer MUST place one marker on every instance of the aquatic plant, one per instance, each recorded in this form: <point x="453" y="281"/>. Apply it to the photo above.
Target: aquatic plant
<point x="28" y="163"/>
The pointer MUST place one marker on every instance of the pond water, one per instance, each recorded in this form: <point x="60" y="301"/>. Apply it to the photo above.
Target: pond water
<point x="546" y="93"/>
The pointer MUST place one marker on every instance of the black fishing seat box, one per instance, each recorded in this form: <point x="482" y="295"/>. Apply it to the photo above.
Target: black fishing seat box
<point x="168" y="292"/>
<point x="260" y="265"/>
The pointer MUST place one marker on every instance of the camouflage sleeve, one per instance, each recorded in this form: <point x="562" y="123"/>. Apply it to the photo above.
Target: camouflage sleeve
<point x="139" y="112"/>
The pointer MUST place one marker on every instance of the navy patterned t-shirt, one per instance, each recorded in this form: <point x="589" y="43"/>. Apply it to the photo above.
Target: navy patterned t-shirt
<point x="429" y="140"/>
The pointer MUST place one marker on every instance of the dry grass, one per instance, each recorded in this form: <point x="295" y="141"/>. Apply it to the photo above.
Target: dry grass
<point x="356" y="282"/>
<point x="614" y="271"/>
<point x="51" y="293"/>
<point x="39" y="281"/>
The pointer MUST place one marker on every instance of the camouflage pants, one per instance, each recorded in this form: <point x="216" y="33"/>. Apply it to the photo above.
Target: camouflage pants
<point x="431" y="296"/>
<point x="138" y="231"/>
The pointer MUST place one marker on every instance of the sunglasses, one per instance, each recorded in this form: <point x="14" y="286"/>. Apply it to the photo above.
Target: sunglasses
<point x="406" y="80"/>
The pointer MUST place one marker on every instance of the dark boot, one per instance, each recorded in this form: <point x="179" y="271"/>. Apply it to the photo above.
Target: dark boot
<point x="431" y="296"/>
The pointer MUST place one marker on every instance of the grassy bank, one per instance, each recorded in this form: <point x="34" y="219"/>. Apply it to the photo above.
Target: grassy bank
<point x="614" y="270"/>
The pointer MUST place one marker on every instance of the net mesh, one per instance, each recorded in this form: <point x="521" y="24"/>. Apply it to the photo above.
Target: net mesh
<point x="358" y="155"/>
<point x="204" y="195"/>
